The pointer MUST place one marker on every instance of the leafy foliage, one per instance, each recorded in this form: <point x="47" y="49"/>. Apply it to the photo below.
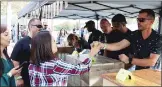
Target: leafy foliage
<point x="65" y="25"/>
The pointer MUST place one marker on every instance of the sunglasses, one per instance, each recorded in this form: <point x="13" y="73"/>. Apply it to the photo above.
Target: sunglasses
<point x="117" y="24"/>
<point x="142" y="19"/>
<point x="38" y="26"/>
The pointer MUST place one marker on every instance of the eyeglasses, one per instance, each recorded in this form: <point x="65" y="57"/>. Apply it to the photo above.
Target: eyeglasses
<point x="142" y="19"/>
<point x="117" y="24"/>
<point x="38" y="26"/>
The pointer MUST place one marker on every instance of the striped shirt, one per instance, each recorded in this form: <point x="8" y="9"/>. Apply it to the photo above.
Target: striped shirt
<point x="56" y="72"/>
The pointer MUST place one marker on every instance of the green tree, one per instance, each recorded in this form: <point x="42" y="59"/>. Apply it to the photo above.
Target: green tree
<point x="65" y="25"/>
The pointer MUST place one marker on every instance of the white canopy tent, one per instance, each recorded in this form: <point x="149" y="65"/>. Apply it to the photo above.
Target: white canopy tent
<point x="93" y="9"/>
<point x="89" y="9"/>
<point x="33" y="5"/>
<point x="99" y="9"/>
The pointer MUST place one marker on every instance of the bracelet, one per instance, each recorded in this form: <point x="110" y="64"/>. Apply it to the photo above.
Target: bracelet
<point x="9" y="74"/>
<point x="105" y="46"/>
<point x="19" y="77"/>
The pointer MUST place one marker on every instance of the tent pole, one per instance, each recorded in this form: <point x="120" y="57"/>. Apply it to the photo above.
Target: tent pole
<point x="97" y="18"/>
<point x="40" y="16"/>
<point x="160" y="20"/>
<point x="97" y="24"/>
<point x="18" y="29"/>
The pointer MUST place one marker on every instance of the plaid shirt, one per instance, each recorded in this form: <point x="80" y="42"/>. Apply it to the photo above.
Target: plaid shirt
<point x="56" y="72"/>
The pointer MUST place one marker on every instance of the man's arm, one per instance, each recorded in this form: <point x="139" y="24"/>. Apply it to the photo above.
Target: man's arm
<point x="19" y="80"/>
<point x="15" y="59"/>
<point x="16" y="64"/>
<point x="151" y="61"/>
<point x="15" y="54"/>
<point x="154" y="55"/>
<point x="116" y="46"/>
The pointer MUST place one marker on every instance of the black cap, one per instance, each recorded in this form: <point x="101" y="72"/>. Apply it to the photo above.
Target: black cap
<point x="119" y="18"/>
<point x="89" y="23"/>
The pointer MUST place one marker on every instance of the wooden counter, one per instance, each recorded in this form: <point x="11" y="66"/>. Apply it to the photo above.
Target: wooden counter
<point x="65" y="50"/>
<point x="145" y="77"/>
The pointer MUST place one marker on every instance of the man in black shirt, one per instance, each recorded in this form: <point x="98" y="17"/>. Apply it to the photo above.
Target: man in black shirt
<point x="106" y="36"/>
<point x="145" y="43"/>
<point x="120" y="32"/>
<point x="94" y="36"/>
<point x="119" y="24"/>
<point x="115" y="34"/>
<point x="21" y="52"/>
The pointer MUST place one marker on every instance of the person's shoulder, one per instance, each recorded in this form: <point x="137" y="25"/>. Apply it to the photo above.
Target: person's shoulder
<point x="157" y="37"/>
<point x="104" y="34"/>
<point x="129" y="31"/>
<point x="24" y="39"/>
<point x="98" y="31"/>
<point x="81" y="39"/>
<point x="135" y="32"/>
<point x="156" y="34"/>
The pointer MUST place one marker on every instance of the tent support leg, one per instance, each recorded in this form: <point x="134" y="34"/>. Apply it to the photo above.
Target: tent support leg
<point x="40" y="16"/>
<point x="160" y="20"/>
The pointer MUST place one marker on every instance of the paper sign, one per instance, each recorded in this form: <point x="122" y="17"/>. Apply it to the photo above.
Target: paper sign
<point x="123" y="74"/>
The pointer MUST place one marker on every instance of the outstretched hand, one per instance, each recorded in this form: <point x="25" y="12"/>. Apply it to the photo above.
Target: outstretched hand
<point x="95" y="48"/>
<point x="97" y="43"/>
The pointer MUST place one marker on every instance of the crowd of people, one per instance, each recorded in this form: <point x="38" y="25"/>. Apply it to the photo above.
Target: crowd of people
<point x="141" y="48"/>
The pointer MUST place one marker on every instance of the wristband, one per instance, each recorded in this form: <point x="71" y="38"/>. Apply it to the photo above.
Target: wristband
<point x="105" y="46"/>
<point x="19" y="77"/>
<point x="9" y="74"/>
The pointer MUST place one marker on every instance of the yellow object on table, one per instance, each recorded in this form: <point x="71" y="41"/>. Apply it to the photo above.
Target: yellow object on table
<point x="145" y="77"/>
<point x="123" y="75"/>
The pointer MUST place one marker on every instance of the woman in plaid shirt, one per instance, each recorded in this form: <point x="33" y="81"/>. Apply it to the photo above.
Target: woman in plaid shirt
<point x="47" y="70"/>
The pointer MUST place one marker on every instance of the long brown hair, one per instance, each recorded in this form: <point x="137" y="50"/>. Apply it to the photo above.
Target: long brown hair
<point x="2" y="30"/>
<point x="41" y="48"/>
<point x="70" y="39"/>
<point x="63" y="34"/>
